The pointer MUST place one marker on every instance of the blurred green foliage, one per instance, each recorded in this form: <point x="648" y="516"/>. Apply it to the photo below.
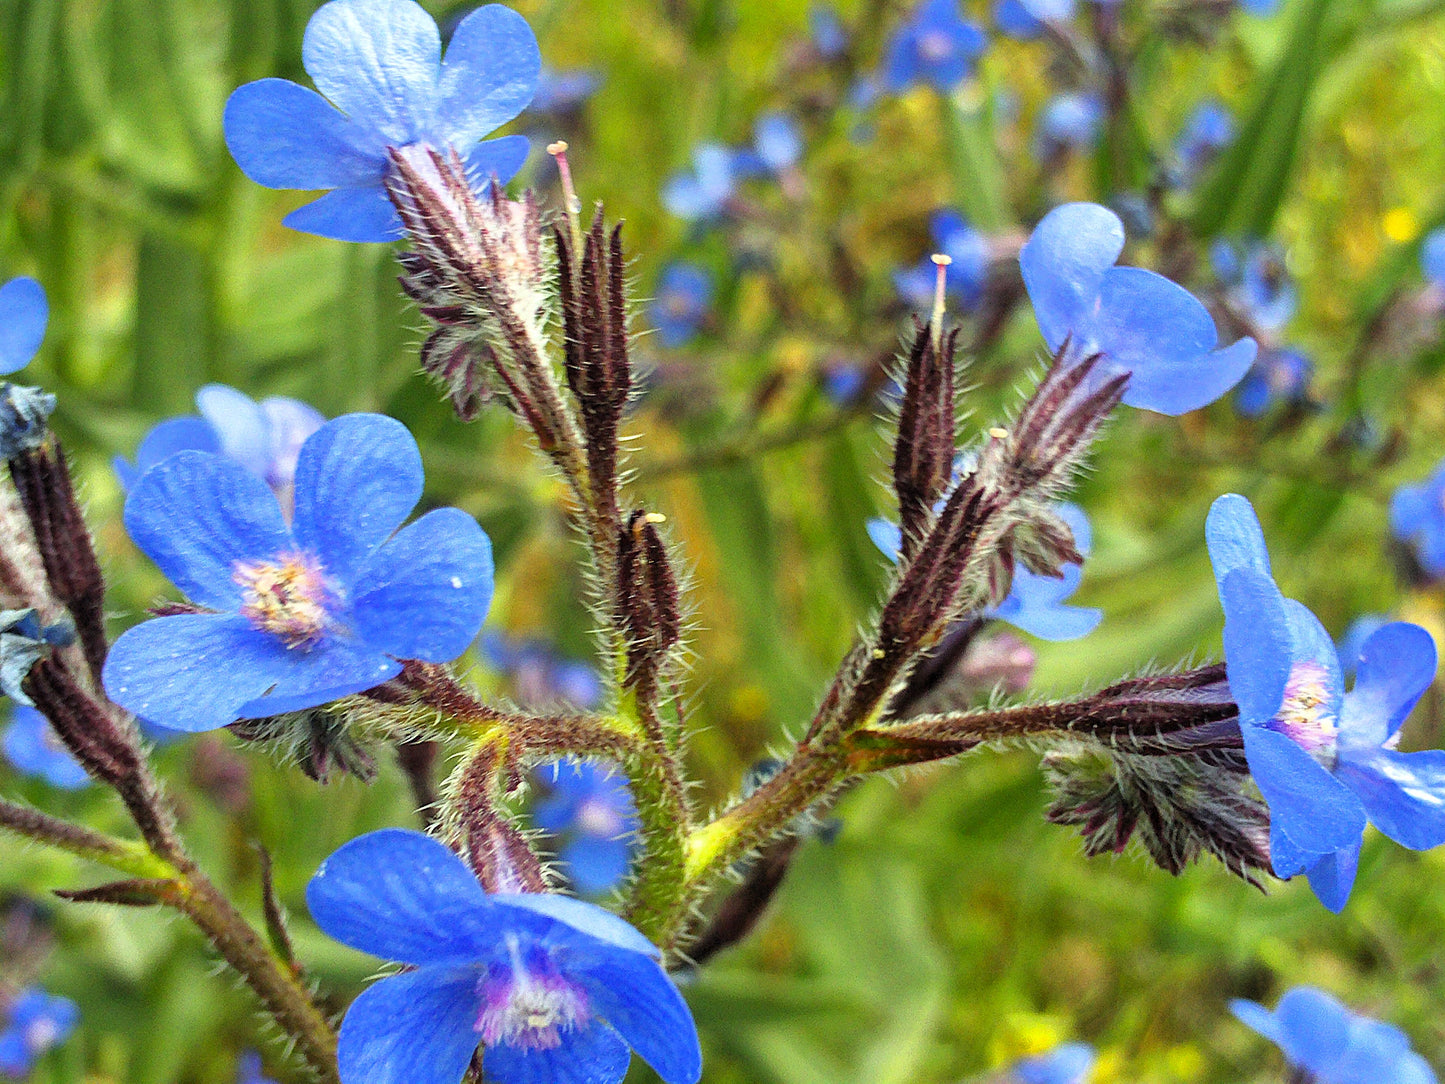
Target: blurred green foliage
<point x="948" y="929"/>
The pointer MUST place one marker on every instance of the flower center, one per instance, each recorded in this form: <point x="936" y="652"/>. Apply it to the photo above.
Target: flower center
<point x="529" y="1005"/>
<point x="598" y="817"/>
<point x="288" y="598"/>
<point x="40" y="1036"/>
<point x="1307" y="717"/>
<point x="935" y="45"/>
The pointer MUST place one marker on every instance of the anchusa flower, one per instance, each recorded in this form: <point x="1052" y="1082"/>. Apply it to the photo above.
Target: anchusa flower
<point x="563" y="92"/>
<point x="1069" y="1063"/>
<point x="539" y="676"/>
<point x="1278" y="377"/>
<point x="590" y="811"/>
<point x="683" y="296"/>
<point x="936" y="46"/>
<point x="264" y="437"/>
<point x="1257" y="281"/>
<point x="33" y="747"/>
<point x="1026" y="20"/>
<point x="1417" y="518"/>
<point x="1333" y="1044"/>
<point x="36" y="1022"/>
<point x="249" y="1069"/>
<point x="551" y="987"/>
<point x="1322" y="758"/>
<point x="24" y="640"/>
<point x="1069" y="122"/>
<point x="386" y="87"/>
<point x="702" y="193"/>
<point x="1139" y="322"/>
<point x="1209" y="129"/>
<point x="292" y="616"/>
<point x="963" y="278"/>
<point x="777" y="147"/>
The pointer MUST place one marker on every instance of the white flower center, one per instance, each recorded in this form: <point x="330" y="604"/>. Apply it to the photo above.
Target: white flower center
<point x="530" y="1007"/>
<point x="1307" y="717"/>
<point x="288" y="598"/>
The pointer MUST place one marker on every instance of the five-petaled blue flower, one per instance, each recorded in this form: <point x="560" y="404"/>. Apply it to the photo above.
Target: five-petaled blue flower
<point x="590" y="809"/>
<point x="1035" y="603"/>
<point x="1140" y="322"/>
<point x="264" y="437"/>
<point x="1333" y="1044"/>
<point x="23" y="315"/>
<point x="1069" y="1063"/>
<point x="1322" y="758"/>
<point x="297" y="614"/>
<point x="684" y="293"/>
<point x="936" y="46"/>
<point x="1069" y="122"/>
<point x="963" y="278"/>
<point x="378" y="64"/>
<point x="1258" y="281"/>
<point x="555" y="989"/>
<point x="37" y="1022"/>
<point x="32" y="746"/>
<point x="540" y="676"/>
<point x="1417" y="518"/>
<point x="1277" y="377"/>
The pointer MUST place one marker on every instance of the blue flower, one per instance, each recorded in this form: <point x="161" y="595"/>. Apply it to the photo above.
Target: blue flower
<point x="1209" y="129"/>
<point x="386" y="86"/>
<point x="1260" y="7"/>
<point x="1322" y="758"/>
<point x="303" y="613"/>
<point x="539" y="675"/>
<point x="563" y="92"/>
<point x="1333" y="1044"/>
<point x="249" y="1069"/>
<point x="684" y="294"/>
<point x="23" y="315"/>
<point x="1257" y="280"/>
<point x="591" y="809"/>
<point x="703" y="193"/>
<point x="1276" y="377"/>
<point x="1432" y="257"/>
<point x="1417" y="518"/>
<point x="1069" y="122"/>
<point x="264" y="437"/>
<point x="963" y="279"/>
<point x="1035" y="603"/>
<point x="33" y="747"/>
<point x="554" y="988"/>
<point x="1070" y="1063"/>
<point x="37" y="1022"/>
<point x="777" y="142"/>
<point x="936" y="46"/>
<point x="826" y="30"/>
<point x="1026" y="20"/>
<point x="1140" y="322"/>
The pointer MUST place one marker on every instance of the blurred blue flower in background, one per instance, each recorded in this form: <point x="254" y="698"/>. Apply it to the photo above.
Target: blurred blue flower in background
<point x="541" y="677"/>
<point x="304" y="613"/>
<point x="1026" y="20"/>
<point x="1277" y="377"/>
<point x="826" y="30"/>
<point x="36" y="1023"/>
<point x="554" y="988"/>
<point x="1260" y="7"/>
<point x="936" y="46"/>
<point x="1432" y="257"/>
<point x="1334" y="1044"/>
<point x="590" y="810"/>
<point x="1209" y="129"/>
<point x="249" y="1069"/>
<point x="1417" y="518"/>
<point x="1322" y="758"/>
<point x="777" y="146"/>
<point x="683" y="296"/>
<point x="702" y="194"/>
<point x="24" y="313"/>
<point x="1069" y="122"/>
<point x="963" y="278"/>
<point x="33" y="747"/>
<point x="1069" y="1063"/>
<point x="1257" y="281"/>
<point x="1353" y="641"/>
<point x="1141" y="322"/>
<point x="563" y="92"/>
<point x="379" y="65"/>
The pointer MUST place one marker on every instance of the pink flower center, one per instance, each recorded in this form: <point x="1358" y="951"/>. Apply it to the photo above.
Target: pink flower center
<point x="530" y="1008"/>
<point x="1307" y="717"/>
<point x="289" y="598"/>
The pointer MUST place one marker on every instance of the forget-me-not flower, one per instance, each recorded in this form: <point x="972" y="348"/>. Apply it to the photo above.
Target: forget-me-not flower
<point x="1417" y="518"/>
<point x="553" y="988"/>
<point x="37" y="1022"/>
<point x="384" y="85"/>
<point x="1334" y="1044"/>
<point x="684" y="294"/>
<point x="936" y="46"/>
<point x="1140" y="322"/>
<point x="590" y="809"/>
<point x="1322" y="758"/>
<point x="24" y="313"/>
<point x="31" y="745"/>
<point x="302" y="613"/>
<point x="1277" y="377"/>
<point x="963" y="278"/>
<point x="1069" y="1063"/>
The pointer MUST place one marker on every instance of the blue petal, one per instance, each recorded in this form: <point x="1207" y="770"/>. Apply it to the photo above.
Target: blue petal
<point x="1286" y="859"/>
<point x="312" y="676"/>
<point x="285" y="136"/>
<point x="187" y="434"/>
<point x="30" y="746"/>
<point x="637" y="998"/>
<point x="594" y="1054"/>
<point x="584" y="926"/>
<point x="416" y="1028"/>
<point x="1234" y="537"/>
<point x="1257" y="654"/>
<point x="23" y="315"/>
<point x="594" y="865"/>
<point x="1404" y="793"/>
<point x="1064" y="262"/>
<point x="378" y="62"/>
<point x="289" y="424"/>
<point x="1056" y="623"/>
<point x="887" y="536"/>
<point x="424" y="594"/>
<point x="1255" y="1016"/>
<point x="1070" y="1063"/>
<point x="1333" y="876"/>
<point x="240" y="424"/>
<point x="498" y="159"/>
<point x="1410" y="510"/>
<point x="357" y="478"/>
<point x="489" y="74"/>
<point x="1177" y="389"/>
<point x="362" y="215"/>
<point x="1308" y="805"/>
<point x="192" y="672"/>
<point x="1314" y="1028"/>
<point x="1077" y="521"/>
<point x="401" y="895"/>
<point x="1309" y="642"/>
<point x="197" y="516"/>
<point x="1393" y="670"/>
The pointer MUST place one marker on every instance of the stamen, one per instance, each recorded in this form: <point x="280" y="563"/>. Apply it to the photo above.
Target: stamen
<point x="289" y="598"/>
<point x="527" y="1004"/>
